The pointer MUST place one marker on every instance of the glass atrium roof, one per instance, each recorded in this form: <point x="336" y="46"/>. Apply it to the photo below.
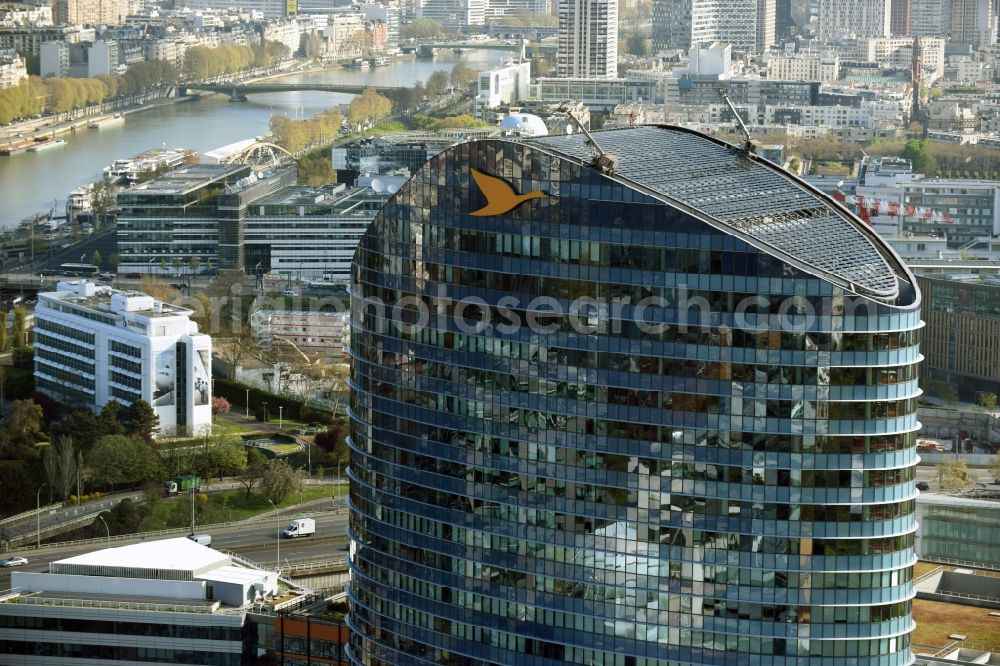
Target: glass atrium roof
<point x="758" y="202"/>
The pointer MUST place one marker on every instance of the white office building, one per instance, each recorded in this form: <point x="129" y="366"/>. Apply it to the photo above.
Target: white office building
<point x="503" y="85"/>
<point x="167" y="602"/>
<point x="588" y="39"/>
<point x="746" y="24"/>
<point x="95" y="344"/>
<point x="853" y="18"/>
<point x="453" y="13"/>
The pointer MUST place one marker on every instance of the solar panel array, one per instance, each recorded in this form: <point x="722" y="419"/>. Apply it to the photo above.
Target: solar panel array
<point x="743" y="194"/>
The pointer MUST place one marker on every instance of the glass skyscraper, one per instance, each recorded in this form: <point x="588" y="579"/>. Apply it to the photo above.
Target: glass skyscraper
<point x="653" y="410"/>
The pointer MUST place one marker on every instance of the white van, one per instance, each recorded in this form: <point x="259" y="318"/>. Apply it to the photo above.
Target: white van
<point x="203" y="539"/>
<point x="299" y="527"/>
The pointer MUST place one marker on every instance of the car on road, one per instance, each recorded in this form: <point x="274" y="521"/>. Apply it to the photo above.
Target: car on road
<point x="203" y="539"/>
<point x="16" y="561"/>
<point x="922" y="485"/>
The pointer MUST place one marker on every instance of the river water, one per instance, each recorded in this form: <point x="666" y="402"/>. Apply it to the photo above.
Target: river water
<point x="35" y="182"/>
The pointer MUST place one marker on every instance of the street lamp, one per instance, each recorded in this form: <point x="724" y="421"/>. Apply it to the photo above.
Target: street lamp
<point x="277" y="515"/>
<point x="248" y="403"/>
<point x="149" y="266"/>
<point x="108" y="529"/>
<point x="38" y="516"/>
<point x="281" y="409"/>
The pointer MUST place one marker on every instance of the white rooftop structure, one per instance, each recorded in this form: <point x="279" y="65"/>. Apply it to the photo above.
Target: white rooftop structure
<point x="222" y="154"/>
<point x="180" y="556"/>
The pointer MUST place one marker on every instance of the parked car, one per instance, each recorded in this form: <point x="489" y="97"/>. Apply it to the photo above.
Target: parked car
<point x="16" y="561"/>
<point x="922" y="485"/>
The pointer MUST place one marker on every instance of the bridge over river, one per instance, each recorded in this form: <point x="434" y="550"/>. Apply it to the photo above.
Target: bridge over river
<point x="240" y="91"/>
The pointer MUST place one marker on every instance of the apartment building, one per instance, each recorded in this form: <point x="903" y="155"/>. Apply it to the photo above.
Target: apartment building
<point x="588" y="39"/>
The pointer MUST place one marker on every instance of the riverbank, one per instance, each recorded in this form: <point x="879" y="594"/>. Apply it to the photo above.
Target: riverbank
<point x="18" y="137"/>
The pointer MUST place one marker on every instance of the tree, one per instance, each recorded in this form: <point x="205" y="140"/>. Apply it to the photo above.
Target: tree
<point x="117" y="459"/>
<point x="114" y="260"/>
<point x="254" y="470"/>
<point x="220" y="405"/>
<point x="368" y="106"/>
<point x="158" y="289"/>
<point x="103" y="199"/>
<point x="140" y="420"/>
<point x="110" y="420"/>
<point x="988" y="401"/>
<point x="462" y="76"/>
<point x="96" y="258"/>
<point x="954" y="476"/>
<point x="919" y="154"/>
<point x="83" y="427"/>
<point x="20" y="332"/>
<point x="279" y="480"/>
<point x="437" y="83"/>
<point x="4" y="339"/>
<point x="25" y="422"/>
<point x="995" y="468"/>
<point x="60" y="461"/>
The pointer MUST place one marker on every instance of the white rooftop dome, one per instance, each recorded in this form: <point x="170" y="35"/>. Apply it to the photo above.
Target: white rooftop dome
<point x="525" y="123"/>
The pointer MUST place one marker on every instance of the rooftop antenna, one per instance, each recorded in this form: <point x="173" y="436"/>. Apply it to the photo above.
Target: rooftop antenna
<point x="747" y="146"/>
<point x="602" y="161"/>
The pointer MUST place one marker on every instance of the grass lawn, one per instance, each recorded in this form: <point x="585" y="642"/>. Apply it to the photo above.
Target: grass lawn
<point x="222" y="426"/>
<point x="936" y="620"/>
<point x="231" y="505"/>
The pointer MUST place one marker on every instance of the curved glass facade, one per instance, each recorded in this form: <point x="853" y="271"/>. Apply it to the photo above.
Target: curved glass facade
<point x="607" y="428"/>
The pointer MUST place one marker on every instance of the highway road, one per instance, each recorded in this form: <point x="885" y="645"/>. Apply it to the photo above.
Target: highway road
<point x="256" y="541"/>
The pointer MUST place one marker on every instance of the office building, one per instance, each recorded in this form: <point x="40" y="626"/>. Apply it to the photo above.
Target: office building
<point x="166" y="602"/>
<point x="95" y="344"/>
<point x="962" y="210"/>
<point x="588" y="39"/>
<point x="962" y="339"/>
<point x="453" y="13"/>
<point x="671" y="25"/>
<point x="930" y="18"/>
<point x="854" y="18"/>
<point x="973" y="22"/>
<point x="746" y="24"/>
<point x="174" y="215"/>
<point x="899" y="18"/>
<point x="959" y="529"/>
<point x="597" y="94"/>
<point x="506" y="84"/>
<point x="220" y="216"/>
<point x="395" y="153"/>
<point x="573" y="443"/>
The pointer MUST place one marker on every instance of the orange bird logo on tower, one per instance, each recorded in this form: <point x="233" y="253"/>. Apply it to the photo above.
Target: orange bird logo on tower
<point x="500" y="196"/>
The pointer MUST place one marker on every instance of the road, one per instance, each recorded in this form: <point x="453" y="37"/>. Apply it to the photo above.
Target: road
<point x="256" y="541"/>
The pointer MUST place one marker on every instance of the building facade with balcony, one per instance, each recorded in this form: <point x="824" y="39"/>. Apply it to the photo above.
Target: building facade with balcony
<point x="656" y="407"/>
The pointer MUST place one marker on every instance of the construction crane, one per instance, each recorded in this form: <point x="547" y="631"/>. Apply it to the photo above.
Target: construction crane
<point x="602" y="161"/>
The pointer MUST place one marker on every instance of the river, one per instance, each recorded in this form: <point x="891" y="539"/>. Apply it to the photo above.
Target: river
<point x="35" y="182"/>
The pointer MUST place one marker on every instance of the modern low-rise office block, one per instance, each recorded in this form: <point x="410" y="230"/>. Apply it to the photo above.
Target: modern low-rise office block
<point x="646" y="404"/>
<point x="95" y="344"/>
<point x="171" y="601"/>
